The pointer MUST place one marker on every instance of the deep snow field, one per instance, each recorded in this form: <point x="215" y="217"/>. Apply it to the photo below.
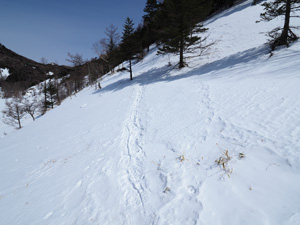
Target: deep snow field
<point x="144" y="151"/>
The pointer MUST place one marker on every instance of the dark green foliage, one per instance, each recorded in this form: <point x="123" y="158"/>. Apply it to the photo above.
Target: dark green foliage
<point x="180" y="24"/>
<point x="149" y="33"/>
<point x="127" y="31"/>
<point x="128" y="44"/>
<point x="150" y="9"/>
<point x="141" y="41"/>
<point x="50" y="95"/>
<point x="287" y="8"/>
<point x="222" y="4"/>
<point x="255" y="2"/>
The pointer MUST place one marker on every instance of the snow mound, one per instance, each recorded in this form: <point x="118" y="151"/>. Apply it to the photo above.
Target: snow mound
<point x="4" y="73"/>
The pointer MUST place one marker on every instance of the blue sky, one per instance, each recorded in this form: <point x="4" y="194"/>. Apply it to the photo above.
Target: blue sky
<point x="51" y="29"/>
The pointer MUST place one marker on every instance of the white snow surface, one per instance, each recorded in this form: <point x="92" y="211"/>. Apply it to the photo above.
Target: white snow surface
<point x="50" y="73"/>
<point x="144" y="151"/>
<point x="4" y="72"/>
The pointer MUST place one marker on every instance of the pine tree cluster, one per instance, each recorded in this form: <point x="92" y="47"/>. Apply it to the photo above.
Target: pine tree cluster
<point x="169" y="23"/>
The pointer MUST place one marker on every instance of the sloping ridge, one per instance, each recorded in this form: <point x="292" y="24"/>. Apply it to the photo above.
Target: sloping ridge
<point x="26" y="70"/>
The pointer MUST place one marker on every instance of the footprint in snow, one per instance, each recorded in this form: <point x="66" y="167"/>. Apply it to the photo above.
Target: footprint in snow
<point x="192" y="190"/>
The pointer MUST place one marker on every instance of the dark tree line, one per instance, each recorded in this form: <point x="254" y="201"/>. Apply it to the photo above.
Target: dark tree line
<point x="49" y="93"/>
<point x="222" y="4"/>
<point x="171" y="24"/>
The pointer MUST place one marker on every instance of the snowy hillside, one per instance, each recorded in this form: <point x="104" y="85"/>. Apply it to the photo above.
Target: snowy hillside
<point x="215" y="143"/>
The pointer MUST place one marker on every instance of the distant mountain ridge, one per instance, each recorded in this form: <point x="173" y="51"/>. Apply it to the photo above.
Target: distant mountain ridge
<point x="28" y="71"/>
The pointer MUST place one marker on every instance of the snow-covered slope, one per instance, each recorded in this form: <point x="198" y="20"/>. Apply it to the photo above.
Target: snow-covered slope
<point x="146" y="151"/>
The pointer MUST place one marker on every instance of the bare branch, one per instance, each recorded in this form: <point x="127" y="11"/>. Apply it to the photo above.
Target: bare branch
<point x="76" y="60"/>
<point x="14" y="112"/>
<point x="44" y="60"/>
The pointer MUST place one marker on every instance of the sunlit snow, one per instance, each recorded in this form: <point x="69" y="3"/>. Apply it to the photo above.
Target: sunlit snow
<point x="215" y="143"/>
<point x="4" y="73"/>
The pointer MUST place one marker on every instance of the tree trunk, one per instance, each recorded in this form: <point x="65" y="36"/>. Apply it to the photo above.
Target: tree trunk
<point x="19" y="120"/>
<point x="181" y="61"/>
<point x="19" y="124"/>
<point x="284" y="34"/>
<point x="148" y="39"/>
<point x="283" y="39"/>
<point x="130" y="69"/>
<point x="181" y="41"/>
<point x="45" y="97"/>
<point x="31" y="114"/>
<point x="52" y="102"/>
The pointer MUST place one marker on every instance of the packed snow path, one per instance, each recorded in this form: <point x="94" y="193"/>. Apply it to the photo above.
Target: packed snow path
<point x="215" y="143"/>
<point x="132" y="178"/>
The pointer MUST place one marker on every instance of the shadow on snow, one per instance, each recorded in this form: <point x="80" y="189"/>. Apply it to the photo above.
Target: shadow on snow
<point x="163" y="74"/>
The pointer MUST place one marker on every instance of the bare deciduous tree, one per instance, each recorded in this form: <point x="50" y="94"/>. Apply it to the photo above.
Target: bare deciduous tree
<point x="76" y="60"/>
<point x="70" y="87"/>
<point x="14" y="112"/>
<point x="44" y="60"/>
<point x="106" y="48"/>
<point x="31" y="107"/>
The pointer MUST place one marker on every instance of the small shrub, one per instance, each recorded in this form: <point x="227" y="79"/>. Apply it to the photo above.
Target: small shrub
<point x="167" y="189"/>
<point x="122" y="69"/>
<point x="181" y="158"/>
<point x="223" y="162"/>
<point x="241" y="155"/>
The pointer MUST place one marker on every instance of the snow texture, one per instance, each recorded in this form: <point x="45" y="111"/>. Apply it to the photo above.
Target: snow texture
<point x="4" y="73"/>
<point x="146" y="151"/>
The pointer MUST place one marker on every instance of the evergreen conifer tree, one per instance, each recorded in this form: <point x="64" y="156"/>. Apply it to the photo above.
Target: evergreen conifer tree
<point x="128" y="45"/>
<point x="255" y="2"/>
<point x="181" y="18"/>
<point x="222" y="4"/>
<point x="51" y="94"/>
<point x="287" y="8"/>
<point x="149" y="22"/>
